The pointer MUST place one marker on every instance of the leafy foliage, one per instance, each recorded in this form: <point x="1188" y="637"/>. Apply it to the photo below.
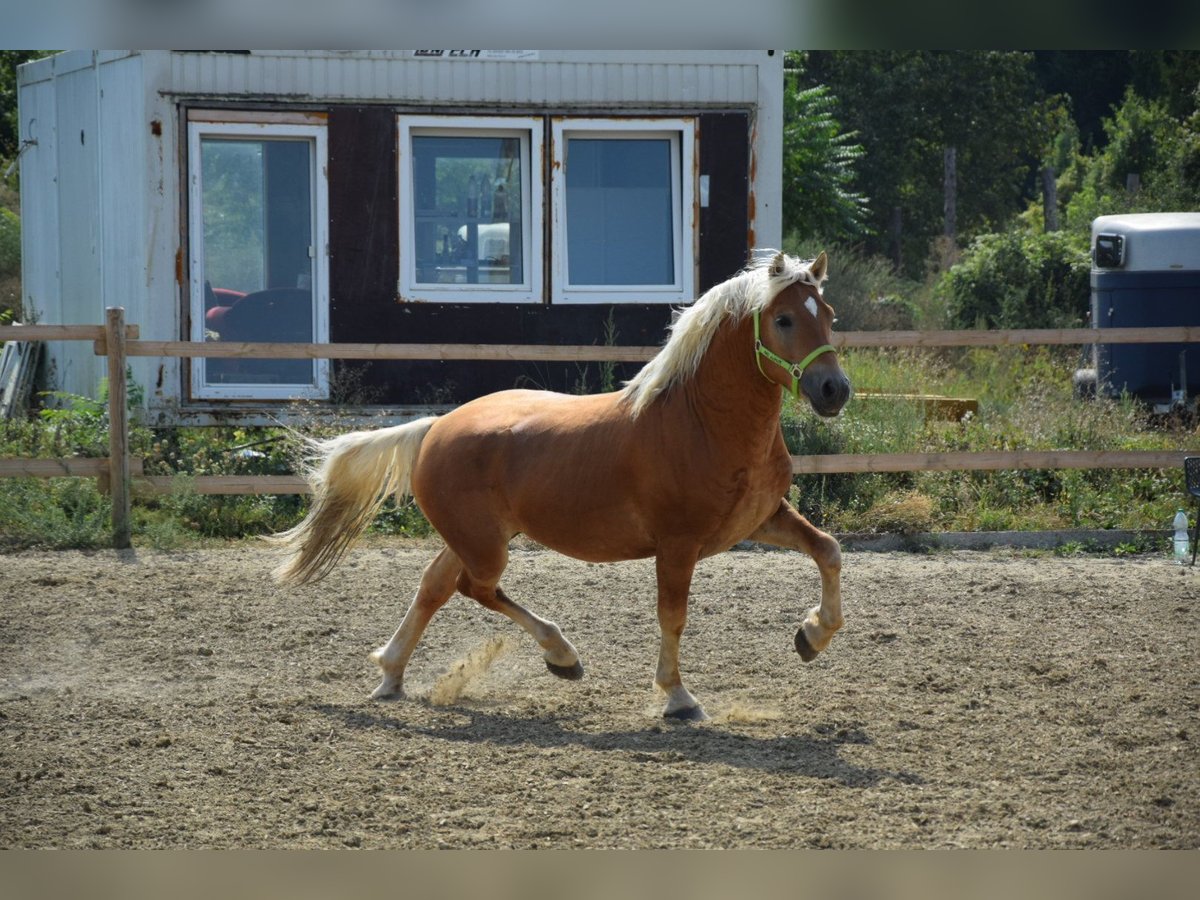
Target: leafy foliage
<point x="1143" y="139"/>
<point x="1018" y="280"/>
<point x="905" y="107"/>
<point x="819" y="159"/>
<point x="53" y="513"/>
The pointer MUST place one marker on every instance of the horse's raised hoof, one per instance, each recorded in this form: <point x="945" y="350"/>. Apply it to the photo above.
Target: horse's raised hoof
<point x="571" y="673"/>
<point x="803" y="647"/>
<point x="687" y="714"/>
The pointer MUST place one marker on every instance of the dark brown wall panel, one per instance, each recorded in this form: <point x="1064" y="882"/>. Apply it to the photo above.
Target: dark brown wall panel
<point x="364" y="266"/>
<point x="434" y="381"/>
<point x="724" y="223"/>
<point x="363" y="220"/>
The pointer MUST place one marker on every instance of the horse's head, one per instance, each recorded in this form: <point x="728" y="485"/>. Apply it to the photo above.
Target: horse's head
<point x="793" y="338"/>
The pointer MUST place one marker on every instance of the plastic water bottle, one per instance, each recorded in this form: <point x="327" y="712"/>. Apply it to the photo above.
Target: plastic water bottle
<point x="1181" y="537"/>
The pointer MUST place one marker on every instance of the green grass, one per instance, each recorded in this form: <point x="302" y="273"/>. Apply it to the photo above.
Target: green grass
<point x="1025" y="403"/>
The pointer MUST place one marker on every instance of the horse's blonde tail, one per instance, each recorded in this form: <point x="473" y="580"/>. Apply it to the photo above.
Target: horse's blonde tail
<point x="351" y="476"/>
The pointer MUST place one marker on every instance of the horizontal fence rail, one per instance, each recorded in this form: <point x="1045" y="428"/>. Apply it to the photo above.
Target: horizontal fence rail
<point x="820" y="464"/>
<point x="60" y="332"/>
<point x="983" y="461"/>
<point x="122" y="474"/>
<point x="579" y="353"/>
<point x="73" y="466"/>
<point x="480" y="352"/>
<point x="609" y="353"/>
<point x="1018" y="337"/>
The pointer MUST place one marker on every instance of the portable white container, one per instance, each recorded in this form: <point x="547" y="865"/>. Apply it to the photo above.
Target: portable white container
<point x="113" y="197"/>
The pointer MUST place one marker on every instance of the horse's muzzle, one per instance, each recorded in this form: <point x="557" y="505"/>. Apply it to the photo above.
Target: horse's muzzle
<point x="826" y="389"/>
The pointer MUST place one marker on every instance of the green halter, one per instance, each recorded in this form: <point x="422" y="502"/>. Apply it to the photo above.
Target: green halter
<point x="797" y="369"/>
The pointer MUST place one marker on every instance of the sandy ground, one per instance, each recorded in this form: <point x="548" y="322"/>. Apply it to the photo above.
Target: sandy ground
<point x="974" y="699"/>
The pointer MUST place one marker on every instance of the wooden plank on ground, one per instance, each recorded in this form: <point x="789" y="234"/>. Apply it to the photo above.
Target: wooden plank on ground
<point x="954" y="409"/>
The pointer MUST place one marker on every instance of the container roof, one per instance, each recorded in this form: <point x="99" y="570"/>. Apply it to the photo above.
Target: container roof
<point x="1155" y="242"/>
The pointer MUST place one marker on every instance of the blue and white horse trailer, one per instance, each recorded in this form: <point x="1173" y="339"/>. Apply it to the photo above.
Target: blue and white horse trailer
<point x="1146" y="273"/>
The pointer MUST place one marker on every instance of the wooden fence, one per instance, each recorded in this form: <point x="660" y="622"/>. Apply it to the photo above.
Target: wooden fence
<point x="120" y="474"/>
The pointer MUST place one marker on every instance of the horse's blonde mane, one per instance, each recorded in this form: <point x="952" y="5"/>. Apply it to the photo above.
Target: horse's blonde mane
<point x="750" y="290"/>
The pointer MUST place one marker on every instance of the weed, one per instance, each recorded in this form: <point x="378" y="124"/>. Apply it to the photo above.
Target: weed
<point x="1025" y="402"/>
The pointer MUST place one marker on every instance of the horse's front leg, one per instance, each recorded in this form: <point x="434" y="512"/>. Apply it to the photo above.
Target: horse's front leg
<point x="674" y="572"/>
<point x="787" y="528"/>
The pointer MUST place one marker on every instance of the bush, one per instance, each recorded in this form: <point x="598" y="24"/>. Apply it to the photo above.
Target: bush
<point x="53" y="514"/>
<point x="866" y="293"/>
<point x="1017" y="280"/>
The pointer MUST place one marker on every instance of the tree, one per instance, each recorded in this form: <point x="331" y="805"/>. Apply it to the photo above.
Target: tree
<point x="819" y="196"/>
<point x="906" y="107"/>
<point x="1093" y="80"/>
<point x="1141" y="138"/>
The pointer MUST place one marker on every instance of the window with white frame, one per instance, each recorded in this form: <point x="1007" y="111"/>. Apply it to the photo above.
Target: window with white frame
<point x="258" y="222"/>
<point x="623" y="220"/>
<point x="470" y="209"/>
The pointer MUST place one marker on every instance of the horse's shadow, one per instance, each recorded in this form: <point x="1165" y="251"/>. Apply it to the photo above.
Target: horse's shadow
<point x="812" y="755"/>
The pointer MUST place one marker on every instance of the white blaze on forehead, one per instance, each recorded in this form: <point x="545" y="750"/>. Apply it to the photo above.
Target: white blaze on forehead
<point x="811" y="305"/>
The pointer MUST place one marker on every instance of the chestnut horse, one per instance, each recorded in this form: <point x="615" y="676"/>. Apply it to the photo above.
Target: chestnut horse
<point x="684" y="462"/>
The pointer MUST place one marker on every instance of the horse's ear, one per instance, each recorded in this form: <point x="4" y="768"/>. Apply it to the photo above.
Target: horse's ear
<point x="777" y="265"/>
<point x="819" y="266"/>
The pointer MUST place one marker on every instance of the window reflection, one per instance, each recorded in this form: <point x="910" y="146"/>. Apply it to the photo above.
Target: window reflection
<point x="258" y="237"/>
<point x="467" y="210"/>
<point x="620" y="228"/>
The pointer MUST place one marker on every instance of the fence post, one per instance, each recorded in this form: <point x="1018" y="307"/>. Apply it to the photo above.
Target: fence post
<point x="118" y="426"/>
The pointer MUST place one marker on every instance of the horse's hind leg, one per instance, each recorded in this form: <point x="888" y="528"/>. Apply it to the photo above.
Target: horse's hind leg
<point x="479" y="582"/>
<point x="787" y="528"/>
<point x="437" y="586"/>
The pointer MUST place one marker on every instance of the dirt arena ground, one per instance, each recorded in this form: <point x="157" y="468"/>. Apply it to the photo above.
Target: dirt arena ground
<point x="974" y="699"/>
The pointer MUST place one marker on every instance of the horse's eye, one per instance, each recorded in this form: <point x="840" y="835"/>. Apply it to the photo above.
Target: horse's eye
<point x="783" y="321"/>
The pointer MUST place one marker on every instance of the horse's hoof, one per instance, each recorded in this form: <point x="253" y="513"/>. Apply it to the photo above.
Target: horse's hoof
<point x="386" y="693"/>
<point x="803" y="647"/>
<point x="687" y="714"/>
<point x="571" y="673"/>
